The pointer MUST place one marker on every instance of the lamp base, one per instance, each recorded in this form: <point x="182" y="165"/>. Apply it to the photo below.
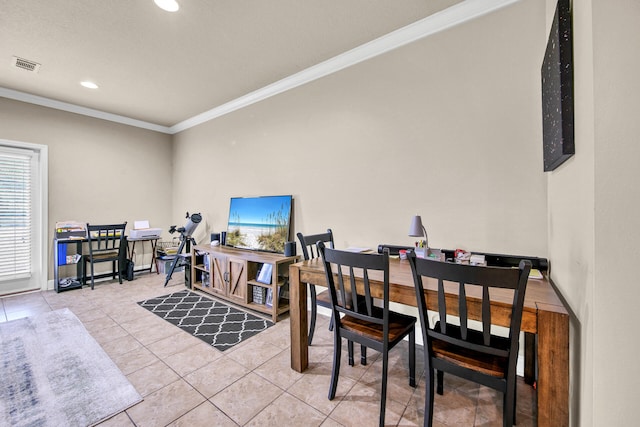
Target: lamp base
<point x="436" y="254"/>
<point x="422" y="252"/>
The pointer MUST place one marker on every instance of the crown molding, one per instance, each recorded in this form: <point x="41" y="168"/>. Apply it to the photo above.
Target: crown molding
<point x="73" y="108"/>
<point x="455" y="15"/>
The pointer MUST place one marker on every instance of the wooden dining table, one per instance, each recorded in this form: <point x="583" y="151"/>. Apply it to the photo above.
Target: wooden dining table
<point x="544" y="317"/>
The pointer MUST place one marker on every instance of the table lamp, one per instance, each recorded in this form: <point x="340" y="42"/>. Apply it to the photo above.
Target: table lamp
<point x="417" y="230"/>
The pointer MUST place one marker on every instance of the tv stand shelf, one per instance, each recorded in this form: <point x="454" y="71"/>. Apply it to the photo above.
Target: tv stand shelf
<point x="232" y="274"/>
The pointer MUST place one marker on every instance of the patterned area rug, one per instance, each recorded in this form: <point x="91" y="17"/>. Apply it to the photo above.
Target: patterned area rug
<point x="215" y="323"/>
<point x="53" y="373"/>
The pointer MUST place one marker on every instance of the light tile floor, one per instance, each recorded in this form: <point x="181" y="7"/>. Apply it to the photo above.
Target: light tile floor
<point x="188" y="383"/>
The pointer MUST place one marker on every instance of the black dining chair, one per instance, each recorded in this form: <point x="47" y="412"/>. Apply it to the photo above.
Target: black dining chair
<point x="360" y="320"/>
<point x="322" y="298"/>
<point x="106" y="244"/>
<point x="474" y="354"/>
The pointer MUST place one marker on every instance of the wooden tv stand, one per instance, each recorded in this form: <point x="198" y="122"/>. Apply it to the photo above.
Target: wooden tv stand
<point x="231" y="274"/>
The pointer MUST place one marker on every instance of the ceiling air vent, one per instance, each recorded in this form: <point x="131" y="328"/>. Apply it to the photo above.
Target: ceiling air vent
<point x="25" y="64"/>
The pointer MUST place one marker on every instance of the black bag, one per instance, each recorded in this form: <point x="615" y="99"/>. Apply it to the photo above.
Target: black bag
<point x="127" y="270"/>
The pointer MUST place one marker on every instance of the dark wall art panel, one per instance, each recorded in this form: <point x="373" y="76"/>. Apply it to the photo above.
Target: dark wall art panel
<point x="557" y="90"/>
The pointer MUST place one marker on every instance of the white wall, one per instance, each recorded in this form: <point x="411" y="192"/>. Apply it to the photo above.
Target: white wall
<point x="448" y="127"/>
<point x="99" y="171"/>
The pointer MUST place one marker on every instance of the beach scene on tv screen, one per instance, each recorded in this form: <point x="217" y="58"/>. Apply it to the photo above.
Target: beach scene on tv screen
<point x="259" y="223"/>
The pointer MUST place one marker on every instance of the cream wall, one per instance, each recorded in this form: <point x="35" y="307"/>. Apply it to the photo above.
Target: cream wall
<point x="616" y="90"/>
<point x="448" y="127"/>
<point x="571" y="221"/>
<point x="593" y="222"/>
<point x="99" y="171"/>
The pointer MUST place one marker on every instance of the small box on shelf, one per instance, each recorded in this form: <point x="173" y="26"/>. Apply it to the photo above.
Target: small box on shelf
<point x="259" y="294"/>
<point x="283" y="290"/>
<point x="206" y="282"/>
<point x="269" y="298"/>
<point x="164" y="264"/>
<point x="73" y="259"/>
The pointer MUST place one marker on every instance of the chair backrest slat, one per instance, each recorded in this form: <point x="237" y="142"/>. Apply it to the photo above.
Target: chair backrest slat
<point x="353" y="288"/>
<point x="486" y="316"/>
<point x="105" y="238"/>
<point x="465" y="275"/>
<point x="367" y="294"/>
<point x="442" y="306"/>
<point x="462" y="309"/>
<point x="358" y="268"/>
<point x="309" y="243"/>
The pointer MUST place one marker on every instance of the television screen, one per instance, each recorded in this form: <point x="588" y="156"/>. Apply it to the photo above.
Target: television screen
<point x="259" y="223"/>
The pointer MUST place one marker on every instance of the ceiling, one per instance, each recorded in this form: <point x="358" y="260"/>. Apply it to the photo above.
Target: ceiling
<point x="163" y="70"/>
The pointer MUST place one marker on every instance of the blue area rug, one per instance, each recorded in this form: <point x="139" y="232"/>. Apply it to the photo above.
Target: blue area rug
<point x="53" y="373"/>
<point x="219" y="325"/>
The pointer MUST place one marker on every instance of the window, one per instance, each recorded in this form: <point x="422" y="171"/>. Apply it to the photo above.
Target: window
<point x="23" y="216"/>
<point x="16" y="201"/>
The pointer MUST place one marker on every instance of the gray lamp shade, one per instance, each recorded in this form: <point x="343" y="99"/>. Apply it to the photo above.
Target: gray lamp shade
<point x="416" y="229"/>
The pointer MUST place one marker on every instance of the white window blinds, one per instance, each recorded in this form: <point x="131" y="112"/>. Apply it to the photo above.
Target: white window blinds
<point x="15" y="213"/>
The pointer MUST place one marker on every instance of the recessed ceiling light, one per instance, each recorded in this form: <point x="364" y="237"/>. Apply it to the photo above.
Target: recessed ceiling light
<point x="90" y="85"/>
<point x="168" y="5"/>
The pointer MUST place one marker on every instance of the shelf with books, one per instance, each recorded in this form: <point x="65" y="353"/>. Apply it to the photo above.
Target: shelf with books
<point x="242" y="276"/>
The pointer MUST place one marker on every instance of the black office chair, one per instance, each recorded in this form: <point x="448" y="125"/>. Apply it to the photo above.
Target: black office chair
<point x="361" y="321"/>
<point x="323" y="299"/>
<point x="106" y="244"/>
<point x="476" y="355"/>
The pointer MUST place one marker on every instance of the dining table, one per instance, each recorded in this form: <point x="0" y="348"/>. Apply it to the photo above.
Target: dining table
<point x="545" y="323"/>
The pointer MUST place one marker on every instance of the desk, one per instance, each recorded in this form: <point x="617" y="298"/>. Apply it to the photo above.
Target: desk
<point x="131" y="250"/>
<point x="544" y="315"/>
<point x="71" y="245"/>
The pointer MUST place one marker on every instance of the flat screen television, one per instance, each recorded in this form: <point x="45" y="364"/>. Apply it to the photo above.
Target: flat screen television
<point x="259" y="223"/>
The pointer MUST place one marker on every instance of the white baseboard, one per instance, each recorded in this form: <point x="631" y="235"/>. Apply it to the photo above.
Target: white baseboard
<point x="50" y="283"/>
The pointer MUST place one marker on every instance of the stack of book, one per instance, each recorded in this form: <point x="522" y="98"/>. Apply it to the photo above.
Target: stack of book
<point x="71" y="230"/>
<point x="259" y="294"/>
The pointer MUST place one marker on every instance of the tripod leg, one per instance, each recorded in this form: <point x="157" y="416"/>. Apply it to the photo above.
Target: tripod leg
<point x="174" y="263"/>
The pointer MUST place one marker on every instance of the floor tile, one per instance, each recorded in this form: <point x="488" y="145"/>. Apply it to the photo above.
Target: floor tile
<point x="278" y="370"/>
<point x="192" y="358"/>
<point x="133" y="360"/>
<point x="214" y="377"/>
<point x="120" y="420"/>
<point x="245" y="398"/>
<point x="361" y="407"/>
<point x="313" y="389"/>
<point x="252" y="353"/>
<point x="173" y="344"/>
<point x="186" y="382"/>
<point x="165" y="405"/>
<point x="205" y="415"/>
<point x="152" y="378"/>
<point x="286" y="410"/>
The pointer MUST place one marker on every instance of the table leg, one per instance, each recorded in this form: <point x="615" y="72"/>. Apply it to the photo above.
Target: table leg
<point x="154" y="242"/>
<point x="553" y="368"/>
<point x="529" y="358"/>
<point x="298" y="321"/>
